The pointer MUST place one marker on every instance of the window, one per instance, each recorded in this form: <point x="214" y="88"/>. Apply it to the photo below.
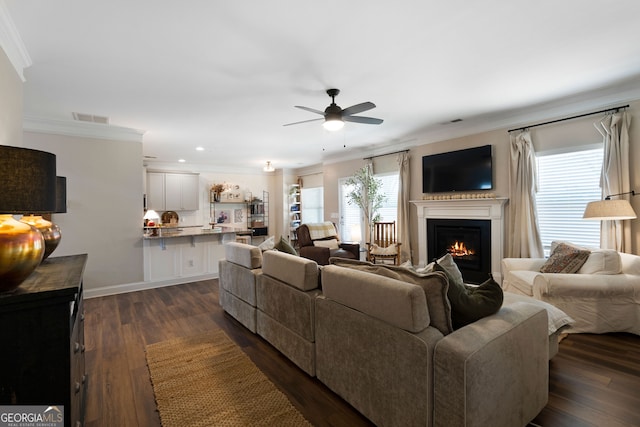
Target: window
<point x="351" y="224"/>
<point x="350" y="227"/>
<point x="389" y="209"/>
<point x="312" y="204"/>
<point x="566" y="183"/>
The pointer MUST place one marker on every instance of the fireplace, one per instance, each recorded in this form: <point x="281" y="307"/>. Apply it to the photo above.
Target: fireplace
<point x="490" y="209"/>
<point x="467" y="240"/>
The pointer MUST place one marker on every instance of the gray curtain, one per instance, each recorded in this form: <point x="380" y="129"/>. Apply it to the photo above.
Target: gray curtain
<point x="404" y="188"/>
<point x="524" y="233"/>
<point x="615" y="177"/>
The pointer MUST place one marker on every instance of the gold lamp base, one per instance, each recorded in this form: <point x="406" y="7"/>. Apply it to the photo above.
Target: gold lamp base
<point x="21" y="251"/>
<point x="49" y="230"/>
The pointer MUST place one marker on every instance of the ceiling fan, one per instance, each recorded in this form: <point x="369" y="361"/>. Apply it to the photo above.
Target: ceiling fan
<point x="334" y="116"/>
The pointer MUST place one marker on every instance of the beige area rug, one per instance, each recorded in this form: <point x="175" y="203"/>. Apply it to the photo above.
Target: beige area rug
<point x="206" y="380"/>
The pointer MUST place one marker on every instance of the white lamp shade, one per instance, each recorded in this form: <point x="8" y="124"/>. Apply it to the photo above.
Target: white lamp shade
<point x="151" y="214"/>
<point x="609" y="210"/>
<point x="356" y="233"/>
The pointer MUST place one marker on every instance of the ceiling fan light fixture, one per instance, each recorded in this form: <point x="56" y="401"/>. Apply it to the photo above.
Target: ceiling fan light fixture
<point x="268" y="167"/>
<point x="333" y="124"/>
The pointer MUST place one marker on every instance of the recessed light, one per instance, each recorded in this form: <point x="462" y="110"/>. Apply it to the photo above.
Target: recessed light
<point x="182" y="160"/>
<point x="199" y="148"/>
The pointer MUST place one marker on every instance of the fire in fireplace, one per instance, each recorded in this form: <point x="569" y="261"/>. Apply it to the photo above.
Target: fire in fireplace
<point x="468" y="242"/>
<point x="459" y="250"/>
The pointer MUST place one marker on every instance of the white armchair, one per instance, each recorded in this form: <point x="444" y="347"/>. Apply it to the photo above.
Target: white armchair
<point x="603" y="296"/>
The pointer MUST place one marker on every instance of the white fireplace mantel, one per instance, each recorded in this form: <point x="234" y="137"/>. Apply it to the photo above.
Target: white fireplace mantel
<point x="485" y="209"/>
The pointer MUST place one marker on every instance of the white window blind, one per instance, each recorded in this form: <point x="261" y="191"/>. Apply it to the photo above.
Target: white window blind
<point x="389" y="209"/>
<point x="566" y="183"/>
<point x="312" y="204"/>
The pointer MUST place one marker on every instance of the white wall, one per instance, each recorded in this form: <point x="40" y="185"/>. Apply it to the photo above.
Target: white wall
<point x="10" y="103"/>
<point x="104" y="205"/>
<point x="557" y="137"/>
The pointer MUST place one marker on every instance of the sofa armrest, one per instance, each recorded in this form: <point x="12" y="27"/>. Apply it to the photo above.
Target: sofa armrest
<point x="501" y="359"/>
<point x="549" y="286"/>
<point x="513" y="264"/>
<point x="354" y="248"/>
<point x="316" y="253"/>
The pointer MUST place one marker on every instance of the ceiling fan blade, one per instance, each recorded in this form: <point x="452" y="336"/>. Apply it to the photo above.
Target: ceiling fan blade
<point x="358" y="108"/>
<point x="365" y="120"/>
<point x="313" y="110"/>
<point x="304" y="121"/>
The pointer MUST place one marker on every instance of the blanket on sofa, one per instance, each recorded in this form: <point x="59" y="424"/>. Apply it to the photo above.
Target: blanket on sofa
<point x="321" y="230"/>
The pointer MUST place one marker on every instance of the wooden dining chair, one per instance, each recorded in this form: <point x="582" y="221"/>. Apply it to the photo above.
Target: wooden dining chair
<point x="385" y="246"/>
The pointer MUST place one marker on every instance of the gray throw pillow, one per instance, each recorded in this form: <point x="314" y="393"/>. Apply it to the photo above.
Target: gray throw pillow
<point x="470" y="303"/>
<point x="284" y="246"/>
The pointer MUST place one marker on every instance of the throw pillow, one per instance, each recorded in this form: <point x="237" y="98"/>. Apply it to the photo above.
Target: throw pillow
<point x="284" y="246"/>
<point x="421" y="270"/>
<point x="471" y="303"/>
<point x="451" y="268"/>
<point x="331" y="243"/>
<point x="602" y="261"/>
<point x="434" y="286"/>
<point x="268" y="244"/>
<point x="565" y="258"/>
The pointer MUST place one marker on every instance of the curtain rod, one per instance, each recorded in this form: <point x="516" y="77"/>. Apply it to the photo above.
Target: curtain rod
<point x="388" y="154"/>
<point x="570" y="118"/>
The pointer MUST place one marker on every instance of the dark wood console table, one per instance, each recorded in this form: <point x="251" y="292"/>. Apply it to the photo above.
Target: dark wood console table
<point x="42" y="336"/>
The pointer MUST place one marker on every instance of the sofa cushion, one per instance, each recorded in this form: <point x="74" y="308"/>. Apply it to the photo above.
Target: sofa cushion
<point x="434" y="286"/>
<point x="301" y="273"/>
<point x="523" y="280"/>
<point x="469" y="303"/>
<point x="284" y="246"/>
<point x="565" y="258"/>
<point x="330" y="243"/>
<point x="400" y="304"/>
<point x="602" y="261"/>
<point x="242" y="254"/>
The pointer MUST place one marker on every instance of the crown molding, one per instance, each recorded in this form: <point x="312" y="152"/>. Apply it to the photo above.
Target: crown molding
<point x="81" y="129"/>
<point x="11" y="42"/>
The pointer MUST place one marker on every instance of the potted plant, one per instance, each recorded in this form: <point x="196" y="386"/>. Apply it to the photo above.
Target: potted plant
<point x="367" y="195"/>
<point x="217" y="189"/>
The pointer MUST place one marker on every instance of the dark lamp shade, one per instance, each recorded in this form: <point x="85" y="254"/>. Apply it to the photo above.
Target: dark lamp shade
<point x="61" y="194"/>
<point x="27" y="181"/>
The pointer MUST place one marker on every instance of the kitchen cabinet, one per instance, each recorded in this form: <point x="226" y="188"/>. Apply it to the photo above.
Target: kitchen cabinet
<point x="173" y="191"/>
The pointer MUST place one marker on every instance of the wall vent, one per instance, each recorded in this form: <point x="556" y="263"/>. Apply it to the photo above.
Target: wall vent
<point x="82" y="117"/>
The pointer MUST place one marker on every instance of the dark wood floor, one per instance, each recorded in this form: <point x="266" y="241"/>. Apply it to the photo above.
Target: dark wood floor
<point x="594" y="380"/>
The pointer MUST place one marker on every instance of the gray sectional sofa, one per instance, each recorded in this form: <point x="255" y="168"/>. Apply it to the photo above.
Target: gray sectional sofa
<point x="239" y="272"/>
<point x="384" y="346"/>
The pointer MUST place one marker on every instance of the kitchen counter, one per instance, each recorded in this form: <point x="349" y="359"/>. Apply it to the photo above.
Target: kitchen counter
<point x="195" y="230"/>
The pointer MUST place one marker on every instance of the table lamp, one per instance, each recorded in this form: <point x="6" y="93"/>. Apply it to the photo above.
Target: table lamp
<point x="28" y="182"/>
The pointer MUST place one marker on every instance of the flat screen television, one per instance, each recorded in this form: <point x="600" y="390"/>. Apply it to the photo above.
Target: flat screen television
<point x="462" y="170"/>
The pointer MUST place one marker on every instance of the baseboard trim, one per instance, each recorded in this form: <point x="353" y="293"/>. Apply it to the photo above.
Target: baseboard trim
<point x="141" y="286"/>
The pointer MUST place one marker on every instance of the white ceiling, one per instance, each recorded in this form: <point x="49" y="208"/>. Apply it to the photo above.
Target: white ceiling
<point x="225" y="75"/>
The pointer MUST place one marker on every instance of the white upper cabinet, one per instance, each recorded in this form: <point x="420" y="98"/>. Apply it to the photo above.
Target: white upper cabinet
<point x="155" y="191"/>
<point x="172" y="191"/>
